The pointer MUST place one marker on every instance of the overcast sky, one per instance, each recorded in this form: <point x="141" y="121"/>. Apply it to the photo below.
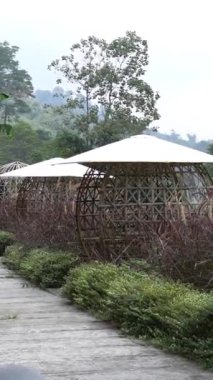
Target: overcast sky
<point x="179" y="34"/>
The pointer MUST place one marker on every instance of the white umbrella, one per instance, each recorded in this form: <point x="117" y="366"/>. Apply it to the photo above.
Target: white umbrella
<point x="141" y="148"/>
<point x="48" y="169"/>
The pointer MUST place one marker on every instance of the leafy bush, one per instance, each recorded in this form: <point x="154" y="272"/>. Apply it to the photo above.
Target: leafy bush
<point x="89" y="286"/>
<point x="170" y="314"/>
<point x="44" y="267"/>
<point x="47" y="268"/>
<point x="6" y="238"/>
<point x="14" y="255"/>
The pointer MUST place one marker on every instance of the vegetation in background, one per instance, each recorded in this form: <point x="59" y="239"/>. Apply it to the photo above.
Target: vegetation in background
<point x="4" y="127"/>
<point x="109" y="86"/>
<point x="26" y="144"/>
<point x="210" y="166"/>
<point x="15" y="82"/>
<point x="108" y="100"/>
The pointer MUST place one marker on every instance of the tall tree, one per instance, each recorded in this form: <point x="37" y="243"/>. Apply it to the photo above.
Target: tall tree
<point x="4" y="127"/>
<point x="14" y="81"/>
<point x="108" y="85"/>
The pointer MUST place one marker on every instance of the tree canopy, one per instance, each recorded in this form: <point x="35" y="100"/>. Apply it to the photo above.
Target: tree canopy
<point x="4" y="127"/>
<point x="15" y="82"/>
<point x="26" y="144"/>
<point x="107" y="84"/>
<point x="108" y="100"/>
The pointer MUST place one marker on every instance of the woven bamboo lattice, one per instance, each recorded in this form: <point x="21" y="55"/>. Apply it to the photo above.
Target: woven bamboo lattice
<point x="37" y="193"/>
<point x="117" y="205"/>
<point x="48" y="203"/>
<point x="9" y="186"/>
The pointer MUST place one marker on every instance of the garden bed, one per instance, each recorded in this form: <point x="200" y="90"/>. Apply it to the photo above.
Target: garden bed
<point x="171" y="315"/>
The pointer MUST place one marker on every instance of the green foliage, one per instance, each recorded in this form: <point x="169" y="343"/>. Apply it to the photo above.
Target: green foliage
<point x="3" y="96"/>
<point x="44" y="267"/>
<point x="14" y="255"/>
<point x="108" y="78"/>
<point x="14" y="82"/>
<point x="88" y="286"/>
<point x="172" y="315"/>
<point x="5" y="128"/>
<point x="68" y="143"/>
<point x="25" y="144"/>
<point x="47" y="268"/>
<point x="109" y="131"/>
<point x="6" y="238"/>
<point x="51" y="119"/>
<point x="210" y="166"/>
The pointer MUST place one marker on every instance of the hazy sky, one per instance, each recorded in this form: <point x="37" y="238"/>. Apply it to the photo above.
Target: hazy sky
<point x="179" y="34"/>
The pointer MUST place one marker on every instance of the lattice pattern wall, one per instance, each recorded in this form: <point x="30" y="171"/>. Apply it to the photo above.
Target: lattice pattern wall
<point x="38" y="193"/>
<point x="117" y="206"/>
<point x="46" y="209"/>
<point x="9" y="185"/>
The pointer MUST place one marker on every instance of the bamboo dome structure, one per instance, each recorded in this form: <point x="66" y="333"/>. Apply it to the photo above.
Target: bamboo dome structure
<point x="135" y="185"/>
<point x="44" y="184"/>
<point x="47" y="197"/>
<point x="12" y="166"/>
<point x="9" y="186"/>
<point x="8" y="193"/>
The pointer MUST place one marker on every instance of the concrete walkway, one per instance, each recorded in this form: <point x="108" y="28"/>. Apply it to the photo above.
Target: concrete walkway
<point x="44" y="331"/>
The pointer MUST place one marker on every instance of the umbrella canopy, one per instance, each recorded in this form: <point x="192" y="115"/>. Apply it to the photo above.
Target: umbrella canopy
<point x="141" y="148"/>
<point x="47" y="169"/>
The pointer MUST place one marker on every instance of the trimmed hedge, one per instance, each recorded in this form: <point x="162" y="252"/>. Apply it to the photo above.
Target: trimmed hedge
<point x="172" y="315"/>
<point x="46" y="268"/>
<point x="6" y="239"/>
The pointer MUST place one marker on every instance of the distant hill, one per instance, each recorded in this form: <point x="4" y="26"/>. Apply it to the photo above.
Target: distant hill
<point x="57" y="97"/>
<point x="190" y="142"/>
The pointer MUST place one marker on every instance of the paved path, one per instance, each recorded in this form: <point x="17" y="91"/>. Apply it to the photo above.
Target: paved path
<point x="44" y="331"/>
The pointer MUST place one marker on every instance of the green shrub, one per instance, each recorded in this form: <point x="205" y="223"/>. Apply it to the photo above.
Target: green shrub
<point x="14" y="255"/>
<point x="6" y="239"/>
<point x="88" y="285"/>
<point x="44" y="267"/>
<point x="170" y="314"/>
<point x="47" y="268"/>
